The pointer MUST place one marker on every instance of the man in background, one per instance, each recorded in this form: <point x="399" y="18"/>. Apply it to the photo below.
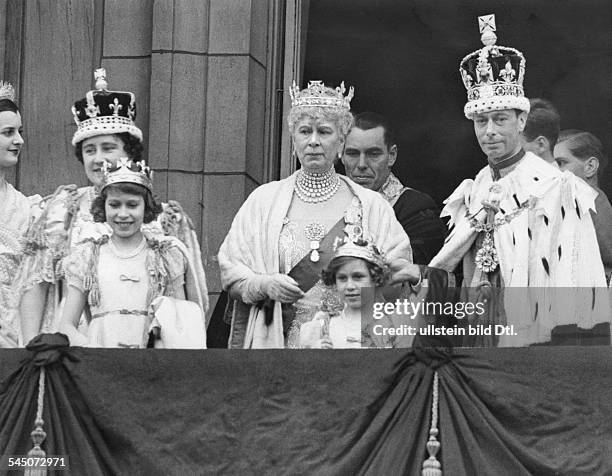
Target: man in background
<point x="582" y="153"/>
<point x="541" y="130"/>
<point x="370" y="152"/>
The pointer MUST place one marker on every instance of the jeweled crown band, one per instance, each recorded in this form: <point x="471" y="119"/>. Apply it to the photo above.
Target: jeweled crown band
<point x="127" y="171"/>
<point x="364" y="249"/>
<point x="319" y="95"/>
<point x="7" y="91"/>
<point x="105" y="125"/>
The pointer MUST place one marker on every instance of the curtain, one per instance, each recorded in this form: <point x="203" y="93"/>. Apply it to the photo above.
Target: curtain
<point x="127" y="411"/>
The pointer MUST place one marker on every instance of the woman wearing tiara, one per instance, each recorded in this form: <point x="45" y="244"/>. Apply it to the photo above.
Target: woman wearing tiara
<point x="106" y="131"/>
<point x="15" y="214"/>
<point x="118" y="278"/>
<point x="281" y="238"/>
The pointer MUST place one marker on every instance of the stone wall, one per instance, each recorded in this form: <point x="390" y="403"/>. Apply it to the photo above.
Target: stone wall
<point x="201" y="74"/>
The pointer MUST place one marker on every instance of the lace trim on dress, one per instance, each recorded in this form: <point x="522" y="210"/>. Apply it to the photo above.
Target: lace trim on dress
<point x="290" y="248"/>
<point x="47" y="241"/>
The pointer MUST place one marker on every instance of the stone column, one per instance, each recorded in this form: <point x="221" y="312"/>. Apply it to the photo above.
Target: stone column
<point x="207" y="110"/>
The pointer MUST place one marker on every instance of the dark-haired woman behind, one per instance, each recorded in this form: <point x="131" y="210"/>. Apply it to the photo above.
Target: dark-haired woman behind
<point x="15" y="214"/>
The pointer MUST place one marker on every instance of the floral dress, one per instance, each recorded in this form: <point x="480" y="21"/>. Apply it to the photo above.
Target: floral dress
<point x="15" y="215"/>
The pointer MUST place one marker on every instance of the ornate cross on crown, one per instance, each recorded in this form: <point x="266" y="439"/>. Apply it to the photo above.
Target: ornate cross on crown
<point x="486" y="24"/>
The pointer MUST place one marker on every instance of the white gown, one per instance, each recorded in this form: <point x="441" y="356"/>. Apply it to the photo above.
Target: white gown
<point x="120" y="292"/>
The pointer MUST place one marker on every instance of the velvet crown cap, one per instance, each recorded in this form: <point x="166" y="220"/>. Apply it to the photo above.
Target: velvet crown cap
<point x="103" y="112"/>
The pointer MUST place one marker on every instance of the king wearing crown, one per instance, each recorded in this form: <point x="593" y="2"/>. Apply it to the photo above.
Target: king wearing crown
<point x="521" y="225"/>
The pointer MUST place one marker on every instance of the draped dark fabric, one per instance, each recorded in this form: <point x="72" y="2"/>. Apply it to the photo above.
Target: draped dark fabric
<point x="218" y="330"/>
<point x="68" y="423"/>
<point x="420" y="217"/>
<point x="502" y="411"/>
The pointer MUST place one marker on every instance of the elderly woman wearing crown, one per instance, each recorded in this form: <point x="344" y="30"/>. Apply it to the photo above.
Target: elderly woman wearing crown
<point x="281" y="239"/>
<point x="105" y="132"/>
<point x="15" y="214"/>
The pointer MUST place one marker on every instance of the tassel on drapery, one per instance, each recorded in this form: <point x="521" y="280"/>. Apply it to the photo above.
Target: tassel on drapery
<point x="431" y="466"/>
<point x="38" y="434"/>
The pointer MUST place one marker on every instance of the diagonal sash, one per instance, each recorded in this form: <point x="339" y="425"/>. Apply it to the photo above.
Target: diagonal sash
<point x="307" y="272"/>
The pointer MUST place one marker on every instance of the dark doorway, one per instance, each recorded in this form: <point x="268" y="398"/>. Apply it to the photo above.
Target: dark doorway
<point x="403" y="59"/>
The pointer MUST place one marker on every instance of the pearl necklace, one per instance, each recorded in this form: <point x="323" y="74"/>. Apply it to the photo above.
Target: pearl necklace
<point x="316" y="188"/>
<point x="128" y="253"/>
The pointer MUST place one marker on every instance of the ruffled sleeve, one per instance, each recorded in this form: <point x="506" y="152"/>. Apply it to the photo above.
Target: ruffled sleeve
<point x="36" y="204"/>
<point x="46" y="240"/>
<point x="176" y="223"/>
<point x="176" y="265"/>
<point x="78" y="266"/>
<point x="167" y="265"/>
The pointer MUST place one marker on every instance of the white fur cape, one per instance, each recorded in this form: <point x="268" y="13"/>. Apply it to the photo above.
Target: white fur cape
<point x="548" y="252"/>
<point x="251" y="249"/>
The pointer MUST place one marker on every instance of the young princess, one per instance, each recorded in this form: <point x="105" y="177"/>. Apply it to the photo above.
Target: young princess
<point x="117" y="279"/>
<point x="106" y="131"/>
<point x="357" y="272"/>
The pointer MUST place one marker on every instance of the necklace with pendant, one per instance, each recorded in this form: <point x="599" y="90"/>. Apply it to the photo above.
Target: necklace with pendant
<point x="487" y="259"/>
<point x="314" y="232"/>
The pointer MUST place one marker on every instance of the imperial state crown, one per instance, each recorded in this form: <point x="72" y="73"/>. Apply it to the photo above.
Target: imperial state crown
<point x="493" y="75"/>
